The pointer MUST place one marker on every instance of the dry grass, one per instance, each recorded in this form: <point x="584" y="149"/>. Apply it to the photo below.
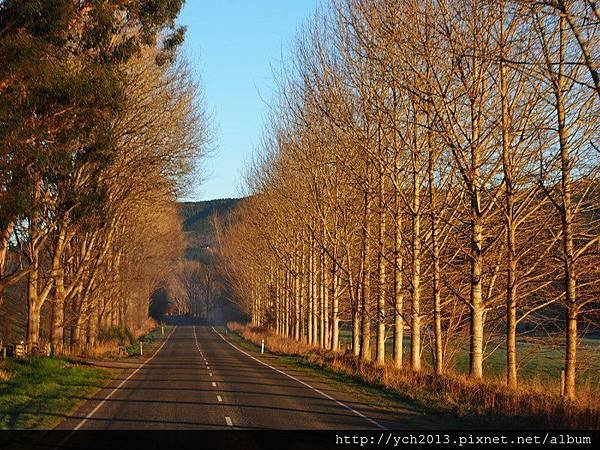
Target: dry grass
<point x="106" y="349"/>
<point x="454" y="393"/>
<point x="4" y="375"/>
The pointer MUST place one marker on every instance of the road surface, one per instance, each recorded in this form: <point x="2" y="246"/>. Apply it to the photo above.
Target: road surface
<point x="198" y="379"/>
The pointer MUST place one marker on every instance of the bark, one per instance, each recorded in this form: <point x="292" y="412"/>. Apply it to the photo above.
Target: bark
<point x="398" y="290"/>
<point x="567" y="228"/>
<point x="435" y="288"/>
<point x="477" y="307"/>
<point x="309" y="296"/>
<point x="511" y="263"/>
<point x="380" y="353"/>
<point x="297" y="294"/>
<point x="365" y="313"/>
<point x="314" y="294"/>
<point x="335" y="320"/>
<point x="58" y="306"/>
<point x="325" y="275"/>
<point x="415" y="336"/>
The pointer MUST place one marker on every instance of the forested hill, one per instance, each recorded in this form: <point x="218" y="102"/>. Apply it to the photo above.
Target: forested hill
<point x="197" y="216"/>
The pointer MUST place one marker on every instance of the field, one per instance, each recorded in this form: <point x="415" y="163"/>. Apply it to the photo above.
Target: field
<point x="540" y="359"/>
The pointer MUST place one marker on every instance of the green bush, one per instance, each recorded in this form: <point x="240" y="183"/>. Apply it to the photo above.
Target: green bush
<point x="121" y="334"/>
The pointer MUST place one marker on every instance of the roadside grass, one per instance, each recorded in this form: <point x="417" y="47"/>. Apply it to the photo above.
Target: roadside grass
<point x="37" y="392"/>
<point x="150" y="341"/>
<point x="119" y="342"/>
<point x="487" y="404"/>
<point x="414" y="415"/>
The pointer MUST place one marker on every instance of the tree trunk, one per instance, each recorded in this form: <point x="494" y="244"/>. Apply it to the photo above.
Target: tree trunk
<point x="325" y="341"/>
<point x="437" y="304"/>
<point x="398" y="292"/>
<point x="566" y="210"/>
<point x="365" y="313"/>
<point x="335" y="320"/>
<point x="415" y="335"/>
<point x="33" y="301"/>
<point x="477" y="307"/>
<point x="380" y="353"/>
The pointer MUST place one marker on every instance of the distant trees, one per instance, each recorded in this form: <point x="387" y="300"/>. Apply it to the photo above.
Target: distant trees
<point x="431" y="166"/>
<point x="192" y="287"/>
<point x="99" y="127"/>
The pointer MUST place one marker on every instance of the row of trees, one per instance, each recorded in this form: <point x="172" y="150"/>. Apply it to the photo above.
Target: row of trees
<point x="192" y="288"/>
<point x="99" y="129"/>
<point x="430" y="166"/>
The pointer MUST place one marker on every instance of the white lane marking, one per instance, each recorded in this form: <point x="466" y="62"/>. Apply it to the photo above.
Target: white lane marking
<point x="214" y="384"/>
<point x="196" y="340"/>
<point x="228" y="420"/>
<point x="68" y="436"/>
<point x="93" y="411"/>
<point x="210" y="374"/>
<point x="349" y="408"/>
<point x="219" y="398"/>
<point x="99" y="405"/>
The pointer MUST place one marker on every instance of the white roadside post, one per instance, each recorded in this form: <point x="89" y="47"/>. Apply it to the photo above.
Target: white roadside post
<point x="262" y="347"/>
<point x="141" y="349"/>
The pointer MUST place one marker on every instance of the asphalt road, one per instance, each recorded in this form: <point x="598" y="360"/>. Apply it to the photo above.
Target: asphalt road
<point x="198" y="379"/>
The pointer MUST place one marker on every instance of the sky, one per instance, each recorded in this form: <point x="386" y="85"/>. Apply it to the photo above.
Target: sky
<point x="234" y="47"/>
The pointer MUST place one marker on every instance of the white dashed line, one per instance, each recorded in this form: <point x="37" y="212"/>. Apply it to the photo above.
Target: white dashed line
<point x="349" y="408"/>
<point x="214" y="384"/>
<point x="228" y="420"/>
<point x="210" y="374"/>
<point x="219" y="398"/>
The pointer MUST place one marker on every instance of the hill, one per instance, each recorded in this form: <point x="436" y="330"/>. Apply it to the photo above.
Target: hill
<point x="196" y="218"/>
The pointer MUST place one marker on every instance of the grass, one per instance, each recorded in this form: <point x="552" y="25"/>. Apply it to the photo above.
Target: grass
<point x="37" y="392"/>
<point x="414" y="416"/>
<point x="150" y="341"/>
<point x="540" y="360"/>
<point x="119" y="342"/>
<point x="484" y="403"/>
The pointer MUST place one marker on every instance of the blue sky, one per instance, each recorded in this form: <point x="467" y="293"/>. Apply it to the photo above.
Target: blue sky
<point x="233" y="46"/>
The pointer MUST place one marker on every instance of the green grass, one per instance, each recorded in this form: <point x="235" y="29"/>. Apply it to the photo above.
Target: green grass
<point x="39" y="391"/>
<point x="539" y="359"/>
<point x="149" y="341"/>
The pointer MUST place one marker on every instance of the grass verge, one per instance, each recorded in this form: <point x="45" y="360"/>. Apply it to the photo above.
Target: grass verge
<point x="150" y="341"/>
<point x="37" y="392"/>
<point x="482" y="403"/>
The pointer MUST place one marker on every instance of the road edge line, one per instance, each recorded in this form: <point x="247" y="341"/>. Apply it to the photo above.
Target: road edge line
<point x="99" y="405"/>
<point x="327" y="396"/>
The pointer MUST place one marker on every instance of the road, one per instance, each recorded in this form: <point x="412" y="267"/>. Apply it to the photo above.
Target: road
<point x="199" y="379"/>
